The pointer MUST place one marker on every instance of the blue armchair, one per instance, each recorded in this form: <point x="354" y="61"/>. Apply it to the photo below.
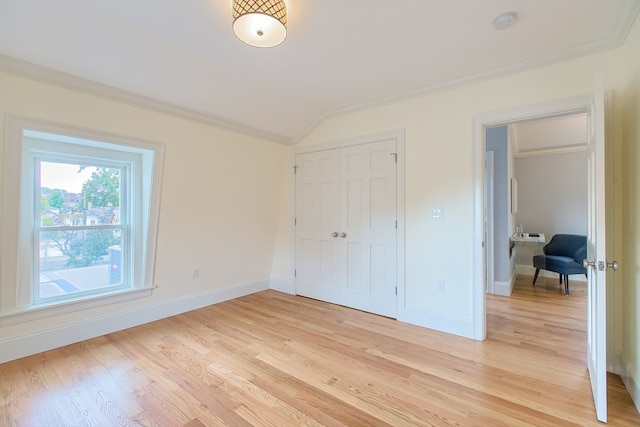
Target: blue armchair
<point x="562" y="255"/>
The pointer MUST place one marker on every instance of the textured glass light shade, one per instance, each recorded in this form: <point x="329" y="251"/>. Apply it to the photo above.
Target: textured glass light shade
<point x="260" y="23"/>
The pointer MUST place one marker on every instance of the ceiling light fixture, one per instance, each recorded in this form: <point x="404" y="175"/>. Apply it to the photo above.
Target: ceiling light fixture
<point x="260" y="23"/>
<point x="504" y="20"/>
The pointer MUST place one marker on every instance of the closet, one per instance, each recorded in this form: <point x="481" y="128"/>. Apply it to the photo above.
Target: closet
<point x="346" y="226"/>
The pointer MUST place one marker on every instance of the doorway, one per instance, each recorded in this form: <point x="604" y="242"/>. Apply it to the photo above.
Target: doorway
<point x="559" y="108"/>
<point x="594" y="106"/>
<point x="544" y="161"/>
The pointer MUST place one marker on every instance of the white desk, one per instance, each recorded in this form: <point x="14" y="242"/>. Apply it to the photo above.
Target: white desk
<point x="522" y="247"/>
<point x="527" y="238"/>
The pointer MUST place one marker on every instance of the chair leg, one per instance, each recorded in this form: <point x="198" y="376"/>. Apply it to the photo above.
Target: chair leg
<point x="566" y="284"/>
<point x="560" y="278"/>
<point x="535" y="277"/>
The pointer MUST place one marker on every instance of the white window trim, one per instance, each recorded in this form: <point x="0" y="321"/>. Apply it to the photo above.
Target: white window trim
<point x="15" y="274"/>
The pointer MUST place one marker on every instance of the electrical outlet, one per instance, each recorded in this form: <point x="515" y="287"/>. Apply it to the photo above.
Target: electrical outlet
<point x="439" y="285"/>
<point x="195" y="273"/>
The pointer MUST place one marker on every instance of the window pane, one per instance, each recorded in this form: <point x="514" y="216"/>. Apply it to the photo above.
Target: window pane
<point x="79" y="261"/>
<point x="73" y="194"/>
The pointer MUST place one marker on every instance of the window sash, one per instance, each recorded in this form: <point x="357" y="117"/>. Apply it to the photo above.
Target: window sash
<point x="123" y="267"/>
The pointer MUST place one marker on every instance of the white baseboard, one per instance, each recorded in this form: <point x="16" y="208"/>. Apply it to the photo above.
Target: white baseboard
<point x="282" y="285"/>
<point x="503" y="288"/>
<point x="614" y="362"/>
<point x="529" y="270"/>
<point x="630" y="380"/>
<point x="37" y="342"/>
<point x="441" y="322"/>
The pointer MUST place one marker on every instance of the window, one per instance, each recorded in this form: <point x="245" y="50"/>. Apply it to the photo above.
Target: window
<point x="81" y="228"/>
<point x="85" y="223"/>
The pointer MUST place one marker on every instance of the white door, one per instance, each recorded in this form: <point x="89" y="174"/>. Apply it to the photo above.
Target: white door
<point x="346" y="226"/>
<point x="368" y="213"/>
<point x="317" y="225"/>
<point x="597" y="272"/>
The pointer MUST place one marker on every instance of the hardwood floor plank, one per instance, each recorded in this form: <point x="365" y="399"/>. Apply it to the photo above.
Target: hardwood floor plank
<point x="271" y="359"/>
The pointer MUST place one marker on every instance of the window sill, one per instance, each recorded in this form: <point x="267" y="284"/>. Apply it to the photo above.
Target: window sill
<point x="34" y="313"/>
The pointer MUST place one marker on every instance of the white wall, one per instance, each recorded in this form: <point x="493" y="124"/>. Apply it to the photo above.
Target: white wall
<point x="552" y="199"/>
<point x="440" y="171"/>
<point x="220" y="200"/>
<point x="624" y="216"/>
<point x="552" y="196"/>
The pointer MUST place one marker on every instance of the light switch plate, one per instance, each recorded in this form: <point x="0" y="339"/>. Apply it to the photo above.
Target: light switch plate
<point x="437" y="212"/>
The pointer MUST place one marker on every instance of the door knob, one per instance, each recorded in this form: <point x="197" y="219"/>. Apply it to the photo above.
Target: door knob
<point x="343" y="235"/>
<point x="334" y="234"/>
<point x="612" y="265"/>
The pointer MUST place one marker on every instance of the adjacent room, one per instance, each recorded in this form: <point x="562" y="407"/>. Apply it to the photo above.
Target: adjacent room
<point x="285" y="212"/>
<point x="536" y="188"/>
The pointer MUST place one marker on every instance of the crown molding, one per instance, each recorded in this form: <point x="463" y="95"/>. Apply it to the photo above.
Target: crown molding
<point x="32" y="71"/>
<point x="616" y="39"/>
<point x="550" y="151"/>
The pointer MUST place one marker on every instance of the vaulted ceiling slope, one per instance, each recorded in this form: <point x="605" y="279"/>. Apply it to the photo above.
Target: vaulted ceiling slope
<point x="182" y="56"/>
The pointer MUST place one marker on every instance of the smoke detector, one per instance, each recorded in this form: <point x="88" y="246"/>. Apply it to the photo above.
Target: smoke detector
<point x="504" y="20"/>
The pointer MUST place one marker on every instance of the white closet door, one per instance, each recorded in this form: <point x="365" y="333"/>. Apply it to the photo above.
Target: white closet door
<point x="346" y="226"/>
<point x="368" y="219"/>
<point x="317" y="219"/>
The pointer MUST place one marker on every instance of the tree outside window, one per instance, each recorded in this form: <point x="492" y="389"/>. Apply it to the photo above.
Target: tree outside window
<point x="80" y="227"/>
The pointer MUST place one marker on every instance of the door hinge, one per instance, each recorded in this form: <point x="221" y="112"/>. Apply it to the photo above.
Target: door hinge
<point x="295" y="273"/>
<point x="396" y="290"/>
<point x="295" y="221"/>
<point x="396" y="224"/>
<point x="395" y="157"/>
<point x="295" y="170"/>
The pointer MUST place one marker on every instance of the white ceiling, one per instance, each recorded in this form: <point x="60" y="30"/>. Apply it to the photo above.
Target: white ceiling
<point x="551" y="135"/>
<point x="338" y="55"/>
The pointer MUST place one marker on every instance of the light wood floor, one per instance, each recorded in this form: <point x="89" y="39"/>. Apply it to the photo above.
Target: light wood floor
<point x="279" y="360"/>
